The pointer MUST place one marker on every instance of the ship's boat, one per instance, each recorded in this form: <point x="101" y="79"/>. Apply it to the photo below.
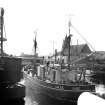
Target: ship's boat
<point x="59" y="81"/>
<point x="10" y="71"/>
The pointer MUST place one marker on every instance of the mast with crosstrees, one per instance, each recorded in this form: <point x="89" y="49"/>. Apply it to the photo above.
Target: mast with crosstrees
<point x="1" y="30"/>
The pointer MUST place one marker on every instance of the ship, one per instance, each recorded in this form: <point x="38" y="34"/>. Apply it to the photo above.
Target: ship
<point x="11" y="90"/>
<point x="61" y="81"/>
<point x="99" y="67"/>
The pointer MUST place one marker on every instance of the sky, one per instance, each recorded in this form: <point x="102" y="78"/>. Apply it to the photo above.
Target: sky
<point x="49" y="18"/>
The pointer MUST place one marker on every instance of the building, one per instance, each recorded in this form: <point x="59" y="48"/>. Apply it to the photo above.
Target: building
<point x="76" y="52"/>
<point x="28" y="59"/>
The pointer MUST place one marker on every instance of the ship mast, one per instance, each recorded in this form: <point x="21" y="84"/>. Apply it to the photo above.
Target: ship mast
<point x="35" y="43"/>
<point x="69" y="41"/>
<point x="1" y="29"/>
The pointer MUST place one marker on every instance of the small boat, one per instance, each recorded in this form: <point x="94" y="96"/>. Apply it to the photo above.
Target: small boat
<point x="62" y="82"/>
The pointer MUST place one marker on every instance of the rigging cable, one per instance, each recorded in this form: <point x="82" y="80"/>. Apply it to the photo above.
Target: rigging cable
<point x="83" y="38"/>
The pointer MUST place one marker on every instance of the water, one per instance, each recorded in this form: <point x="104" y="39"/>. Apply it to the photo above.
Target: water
<point x="13" y="102"/>
<point x="41" y="99"/>
<point x="29" y="101"/>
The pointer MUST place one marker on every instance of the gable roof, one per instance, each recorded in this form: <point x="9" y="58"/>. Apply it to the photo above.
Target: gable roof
<point x="77" y="50"/>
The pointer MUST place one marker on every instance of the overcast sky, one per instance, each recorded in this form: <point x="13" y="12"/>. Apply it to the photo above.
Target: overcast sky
<point x="50" y="19"/>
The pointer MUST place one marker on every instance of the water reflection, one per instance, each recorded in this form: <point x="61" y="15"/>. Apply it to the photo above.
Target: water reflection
<point x="38" y="101"/>
<point x="28" y="101"/>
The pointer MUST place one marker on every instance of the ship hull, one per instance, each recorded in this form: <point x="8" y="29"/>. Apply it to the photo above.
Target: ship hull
<point x="35" y="88"/>
<point x="16" y="91"/>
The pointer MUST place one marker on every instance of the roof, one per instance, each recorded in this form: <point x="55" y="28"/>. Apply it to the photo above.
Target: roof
<point x="77" y="50"/>
<point x="94" y="58"/>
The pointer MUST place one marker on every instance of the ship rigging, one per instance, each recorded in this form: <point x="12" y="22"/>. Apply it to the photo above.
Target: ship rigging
<point x="65" y="82"/>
